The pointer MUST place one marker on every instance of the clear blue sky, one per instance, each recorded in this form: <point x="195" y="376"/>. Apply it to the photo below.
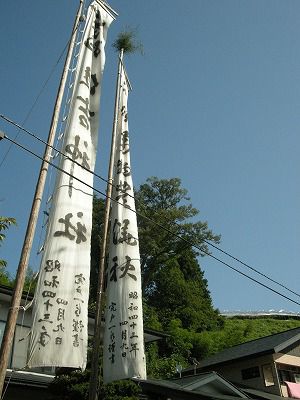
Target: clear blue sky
<point x="216" y="102"/>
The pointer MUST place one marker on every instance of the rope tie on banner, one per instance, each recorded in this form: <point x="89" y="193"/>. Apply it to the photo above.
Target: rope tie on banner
<point x="17" y="308"/>
<point x="42" y="248"/>
<point x="49" y="199"/>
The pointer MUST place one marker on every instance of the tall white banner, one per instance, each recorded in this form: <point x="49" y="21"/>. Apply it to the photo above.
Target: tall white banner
<point x="124" y="355"/>
<point x="60" y="313"/>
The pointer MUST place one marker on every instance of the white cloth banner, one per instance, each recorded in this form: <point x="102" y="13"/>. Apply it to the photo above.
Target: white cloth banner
<point x="124" y="355"/>
<point x="60" y="312"/>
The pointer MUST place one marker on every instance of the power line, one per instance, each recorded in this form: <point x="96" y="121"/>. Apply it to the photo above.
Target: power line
<point x="251" y="268"/>
<point x="53" y="148"/>
<point x="37" y="98"/>
<point x="157" y="224"/>
<point x="174" y="222"/>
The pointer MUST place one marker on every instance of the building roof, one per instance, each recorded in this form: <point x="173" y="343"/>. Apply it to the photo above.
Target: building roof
<point x="261" y="395"/>
<point x="210" y="383"/>
<point x="205" y="386"/>
<point x="265" y="345"/>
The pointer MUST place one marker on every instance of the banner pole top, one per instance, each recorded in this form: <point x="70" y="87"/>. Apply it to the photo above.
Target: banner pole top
<point x="108" y="8"/>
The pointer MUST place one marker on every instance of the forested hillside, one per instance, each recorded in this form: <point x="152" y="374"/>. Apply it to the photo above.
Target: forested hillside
<point x="238" y="330"/>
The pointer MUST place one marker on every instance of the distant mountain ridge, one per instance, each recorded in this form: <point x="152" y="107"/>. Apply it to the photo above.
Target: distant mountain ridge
<point x="260" y="313"/>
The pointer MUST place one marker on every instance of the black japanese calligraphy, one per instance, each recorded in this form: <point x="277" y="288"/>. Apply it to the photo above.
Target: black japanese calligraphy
<point x="113" y="270"/>
<point x="123" y="188"/>
<point x="52" y="265"/>
<point x="112" y="316"/>
<point x="77" y="310"/>
<point x="112" y="306"/>
<point x="123" y="168"/>
<point x="91" y="43"/>
<point x="60" y="314"/>
<point x="79" y="279"/>
<point x="44" y="337"/>
<point x="77" y="325"/>
<point x="124" y="113"/>
<point x="84" y="119"/>
<point x="132" y="307"/>
<point x="53" y="283"/>
<point x="59" y="328"/>
<point x="121" y="234"/>
<point x="95" y="84"/>
<point x="134" y="349"/>
<point x="135" y="316"/>
<point x="61" y="301"/>
<point x="126" y="268"/>
<point x="76" y="340"/>
<point x="79" y="156"/>
<point x="79" y="229"/>
<point x="58" y="340"/>
<point x="133" y="325"/>
<point x="48" y="293"/>
<point x="133" y="335"/>
<point x="89" y="79"/>
<point x="46" y="318"/>
<point x="125" y="142"/>
<point x="48" y="304"/>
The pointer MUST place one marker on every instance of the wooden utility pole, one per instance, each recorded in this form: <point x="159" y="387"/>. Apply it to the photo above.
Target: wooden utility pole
<point x="27" y="245"/>
<point x="94" y="377"/>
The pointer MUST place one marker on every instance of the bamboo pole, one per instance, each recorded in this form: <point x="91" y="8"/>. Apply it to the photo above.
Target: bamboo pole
<point x="27" y="245"/>
<point x="94" y="377"/>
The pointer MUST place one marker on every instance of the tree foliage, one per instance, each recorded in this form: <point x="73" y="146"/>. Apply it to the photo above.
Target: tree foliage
<point x="74" y="385"/>
<point x="5" y="278"/>
<point x="174" y="286"/>
<point x="166" y="203"/>
<point x="127" y="41"/>
<point x="5" y="223"/>
<point x="97" y="227"/>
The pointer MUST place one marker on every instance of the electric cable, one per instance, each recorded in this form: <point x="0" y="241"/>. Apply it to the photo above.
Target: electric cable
<point x="38" y="96"/>
<point x="174" y="222"/>
<point x="251" y="268"/>
<point x="156" y="223"/>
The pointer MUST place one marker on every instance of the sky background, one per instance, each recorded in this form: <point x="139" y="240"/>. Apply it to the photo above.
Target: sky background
<point x="215" y="102"/>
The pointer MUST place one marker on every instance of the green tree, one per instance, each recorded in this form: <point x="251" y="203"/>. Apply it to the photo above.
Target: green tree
<point x="173" y="282"/>
<point x="30" y="281"/>
<point x="167" y="203"/>
<point x="97" y="227"/>
<point x="180" y="292"/>
<point x="5" y="223"/>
